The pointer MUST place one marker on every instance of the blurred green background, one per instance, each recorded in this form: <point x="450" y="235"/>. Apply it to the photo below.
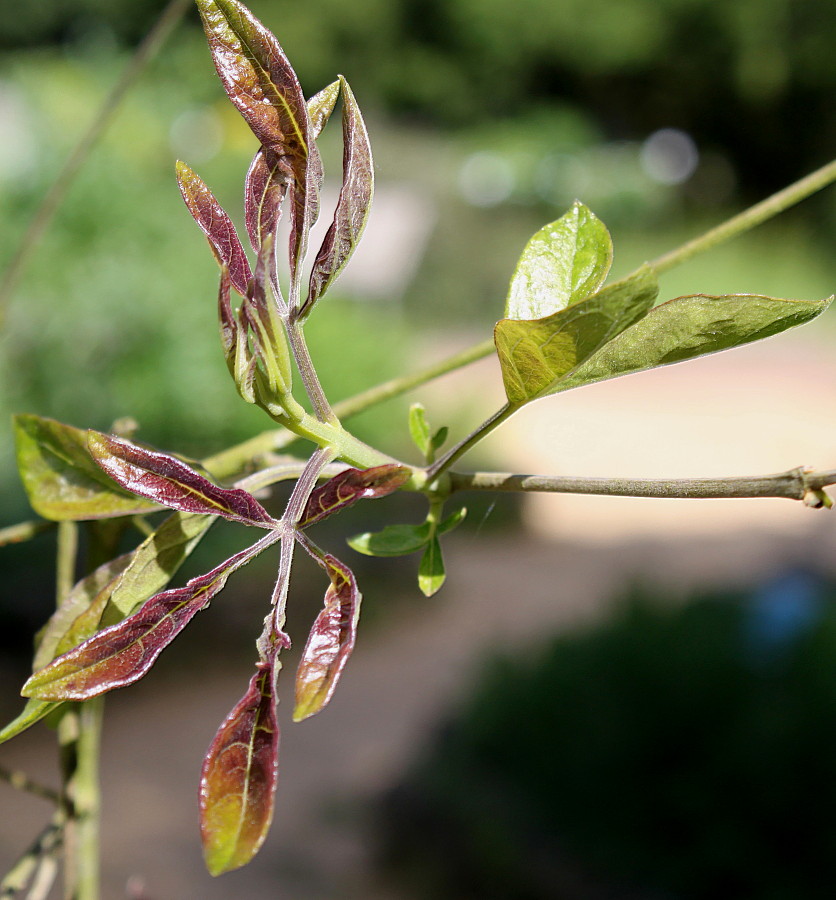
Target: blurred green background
<point x="487" y="120"/>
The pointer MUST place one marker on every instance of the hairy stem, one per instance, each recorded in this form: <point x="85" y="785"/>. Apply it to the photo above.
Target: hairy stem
<point x="51" y="202"/>
<point x="796" y="484"/>
<point x="307" y="372"/>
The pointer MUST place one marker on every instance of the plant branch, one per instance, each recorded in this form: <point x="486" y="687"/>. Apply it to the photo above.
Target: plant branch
<point x="20" y="781"/>
<point x="24" y="531"/>
<point x="51" y="202"/>
<point x="22" y="872"/>
<point x="797" y="484"/>
<point x="307" y="372"/>
<point x="749" y="218"/>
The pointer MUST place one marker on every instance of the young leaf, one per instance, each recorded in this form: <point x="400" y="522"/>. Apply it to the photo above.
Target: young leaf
<point x="353" y="205"/>
<point x="320" y="107"/>
<point x="238" y="781"/>
<point x="452" y="521"/>
<point x="264" y="192"/>
<point x="563" y="263"/>
<point x="393" y="540"/>
<point x="688" y="327"/>
<point x="330" y="642"/>
<point x="536" y="355"/>
<point x="345" y="489"/>
<point x="171" y="483"/>
<point x="216" y="225"/>
<point x="419" y="428"/>
<point x="61" y="480"/>
<point x="431" y="574"/>
<point x="123" y="653"/>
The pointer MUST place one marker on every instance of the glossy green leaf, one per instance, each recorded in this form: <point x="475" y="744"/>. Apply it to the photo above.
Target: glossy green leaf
<point x="238" y="780"/>
<point x="393" y="540"/>
<point x="688" y="327"/>
<point x="61" y="479"/>
<point x="563" y="263"/>
<point x="536" y="355"/>
<point x="353" y="205"/>
<point x="431" y="574"/>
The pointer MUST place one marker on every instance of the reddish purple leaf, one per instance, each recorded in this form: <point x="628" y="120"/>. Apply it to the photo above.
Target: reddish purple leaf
<point x="238" y="781"/>
<point x="354" y="202"/>
<point x="123" y="653"/>
<point x="216" y="225"/>
<point x="348" y="487"/>
<point x="166" y="480"/>
<point x="330" y="641"/>
<point x="264" y="192"/>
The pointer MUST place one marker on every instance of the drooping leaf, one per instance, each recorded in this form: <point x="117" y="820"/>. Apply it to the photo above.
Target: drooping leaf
<point x="238" y="781"/>
<point x="351" y="485"/>
<point x="60" y="478"/>
<point x="321" y="105"/>
<point x="216" y="225"/>
<point x="536" y="355"/>
<point x="564" y="262"/>
<point x="688" y="327"/>
<point x="123" y="653"/>
<point x="330" y="641"/>
<point x="171" y="483"/>
<point x="353" y="205"/>
<point x="431" y="574"/>
<point x="151" y="567"/>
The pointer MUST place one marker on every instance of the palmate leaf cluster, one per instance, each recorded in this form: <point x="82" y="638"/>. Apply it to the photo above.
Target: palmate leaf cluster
<point x="564" y="327"/>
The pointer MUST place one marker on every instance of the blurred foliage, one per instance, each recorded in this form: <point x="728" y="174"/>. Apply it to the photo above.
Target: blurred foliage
<point x="671" y="752"/>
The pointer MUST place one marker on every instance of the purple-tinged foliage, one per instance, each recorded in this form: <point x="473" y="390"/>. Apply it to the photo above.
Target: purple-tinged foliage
<point x="354" y="202"/>
<point x="171" y="483"/>
<point x="345" y="489"/>
<point x="216" y="225"/>
<point x="123" y="653"/>
<point x="265" y="188"/>
<point x="330" y="641"/>
<point x="238" y="781"/>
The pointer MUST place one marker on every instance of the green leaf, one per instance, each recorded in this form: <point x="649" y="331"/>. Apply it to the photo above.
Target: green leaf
<point x="438" y="439"/>
<point x="419" y="429"/>
<point x="536" y="355"/>
<point x="693" y="326"/>
<point x="431" y="574"/>
<point x="393" y="540"/>
<point x="452" y="521"/>
<point x="61" y="479"/>
<point x="321" y="105"/>
<point x="564" y="262"/>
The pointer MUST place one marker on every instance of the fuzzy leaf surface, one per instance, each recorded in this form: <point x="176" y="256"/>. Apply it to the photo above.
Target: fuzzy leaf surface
<point x="166" y="480"/>
<point x="693" y="326"/>
<point x="216" y="225"/>
<point x="60" y="478"/>
<point x="264" y="192"/>
<point x="431" y="573"/>
<point x="564" y="262"/>
<point x="320" y="107"/>
<point x="536" y="355"/>
<point x="353" y="205"/>
<point x="330" y="641"/>
<point x="238" y="780"/>
<point x="123" y="653"/>
<point x="345" y="489"/>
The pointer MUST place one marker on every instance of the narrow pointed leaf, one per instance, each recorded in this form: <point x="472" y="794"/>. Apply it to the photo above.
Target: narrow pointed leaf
<point x="452" y="521"/>
<point x="320" y="107"/>
<point x="265" y="189"/>
<point x="330" y="641"/>
<point x="431" y="574"/>
<point x="227" y="323"/>
<point x="123" y="653"/>
<point x="60" y="478"/>
<point x="348" y="487"/>
<point x="419" y="429"/>
<point x="393" y="540"/>
<point x="354" y="202"/>
<point x="693" y="326"/>
<point x="166" y="480"/>
<point x="216" y="225"/>
<point x="537" y="355"/>
<point x="564" y="262"/>
<point x="238" y="781"/>
<point x="438" y="439"/>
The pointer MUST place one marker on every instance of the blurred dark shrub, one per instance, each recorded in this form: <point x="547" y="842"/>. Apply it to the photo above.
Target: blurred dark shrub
<point x="671" y="752"/>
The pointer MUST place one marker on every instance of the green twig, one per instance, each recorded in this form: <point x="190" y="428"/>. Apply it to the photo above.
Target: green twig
<point x="47" y="844"/>
<point x="20" y="781"/>
<point x="24" y="531"/>
<point x="51" y="202"/>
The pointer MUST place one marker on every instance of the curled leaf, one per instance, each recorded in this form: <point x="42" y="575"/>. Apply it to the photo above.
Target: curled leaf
<point x="345" y="489"/>
<point x="264" y="192"/>
<point x="320" y="107"/>
<point x="330" y="641"/>
<point x="123" y="653"/>
<point x="168" y="481"/>
<point x="216" y="225"/>
<point x="353" y="205"/>
<point x="238" y="780"/>
<point x="60" y="478"/>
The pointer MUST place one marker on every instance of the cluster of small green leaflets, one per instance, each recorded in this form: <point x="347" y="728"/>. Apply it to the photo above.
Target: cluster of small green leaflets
<point x="563" y="329"/>
<point x="401" y="540"/>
